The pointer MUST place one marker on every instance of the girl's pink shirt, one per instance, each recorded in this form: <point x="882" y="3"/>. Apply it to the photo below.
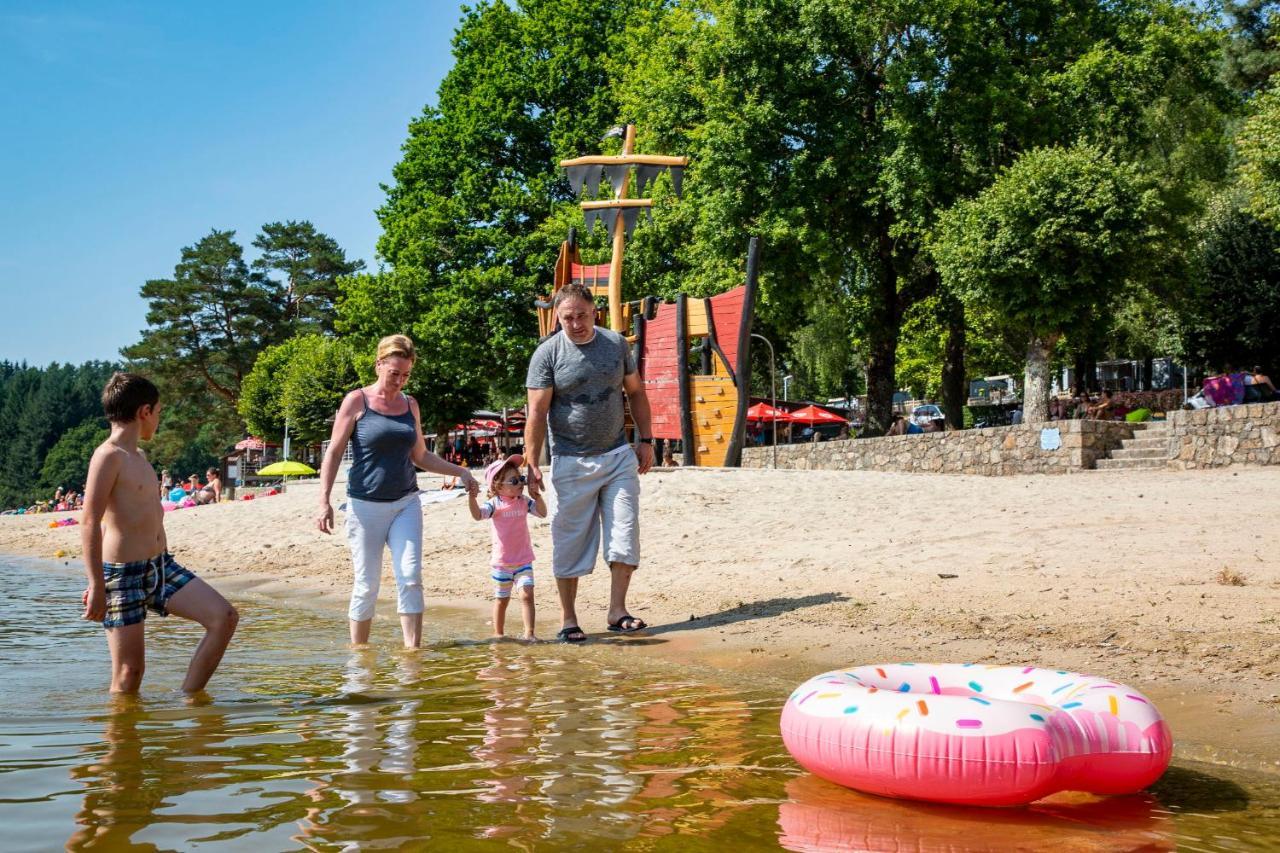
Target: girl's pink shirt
<point x="510" y="529"/>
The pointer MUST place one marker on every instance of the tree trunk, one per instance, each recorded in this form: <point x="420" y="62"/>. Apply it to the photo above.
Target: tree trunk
<point x="955" y="386"/>
<point x="881" y="372"/>
<point x="1035" y="392"/>
<point x="882" y="344"/>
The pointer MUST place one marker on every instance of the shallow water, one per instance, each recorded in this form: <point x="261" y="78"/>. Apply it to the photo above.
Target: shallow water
<point x="306" y="744"/>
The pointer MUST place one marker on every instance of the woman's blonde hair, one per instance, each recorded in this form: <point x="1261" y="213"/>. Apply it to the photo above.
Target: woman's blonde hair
<point x="396" y="346"/>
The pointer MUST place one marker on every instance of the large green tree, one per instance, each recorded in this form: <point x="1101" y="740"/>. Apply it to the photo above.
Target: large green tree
<point x="479" y="176"/>
<point x="207" y="324"/>
<point x="310" y="264"/>
<point x="1230" y="316"/>
<point x="839" y="131"/>
<point x="1052" y="243"/>
<point x="1258" y="145"/>
<point x="1252" y="53"/>
<point x="302" y="380"/>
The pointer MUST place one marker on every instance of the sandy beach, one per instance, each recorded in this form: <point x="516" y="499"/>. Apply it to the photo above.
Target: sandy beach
<point x="1169" y="581"/>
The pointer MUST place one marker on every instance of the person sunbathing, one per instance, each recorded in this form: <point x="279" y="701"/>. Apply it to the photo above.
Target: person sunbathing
<point x="1258" y="387"/>
<point x="1101" y="410"/>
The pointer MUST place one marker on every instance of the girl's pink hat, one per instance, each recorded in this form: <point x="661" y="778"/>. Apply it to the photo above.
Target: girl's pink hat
<point x="491" y="471"/>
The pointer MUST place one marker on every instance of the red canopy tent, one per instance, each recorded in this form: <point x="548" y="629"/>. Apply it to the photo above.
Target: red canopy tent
<point x="765" y="412"/>
<point x="814" y="415"/>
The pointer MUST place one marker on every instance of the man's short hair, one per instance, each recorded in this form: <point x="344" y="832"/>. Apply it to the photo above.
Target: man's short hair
<point x="124" y="394"/>
<point x="573" y="290"/>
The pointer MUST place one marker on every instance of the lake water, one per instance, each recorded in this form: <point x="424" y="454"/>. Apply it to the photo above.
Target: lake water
<point x="303" y="743"/>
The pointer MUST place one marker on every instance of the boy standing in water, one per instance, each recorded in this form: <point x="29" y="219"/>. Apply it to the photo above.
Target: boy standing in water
<point x="125" y="550"/>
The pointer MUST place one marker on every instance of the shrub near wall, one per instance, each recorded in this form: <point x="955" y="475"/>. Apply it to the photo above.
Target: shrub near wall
<point x="993" y="451"/>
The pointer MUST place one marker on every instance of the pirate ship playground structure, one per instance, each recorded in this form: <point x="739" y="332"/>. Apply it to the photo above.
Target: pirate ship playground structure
<point x="694" y="354"/>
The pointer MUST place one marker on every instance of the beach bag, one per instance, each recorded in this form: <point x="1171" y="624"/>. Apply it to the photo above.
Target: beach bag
<point x="1237" y="388"/>
<point x="1218" y="390"/>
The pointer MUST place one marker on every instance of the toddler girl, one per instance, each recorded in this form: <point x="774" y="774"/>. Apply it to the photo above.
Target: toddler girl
<point x="512" y="557"/>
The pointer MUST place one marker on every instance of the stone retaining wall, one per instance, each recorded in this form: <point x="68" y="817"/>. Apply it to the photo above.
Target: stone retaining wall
<point x="996" y="450"/>
<point x="1232" y="435"/>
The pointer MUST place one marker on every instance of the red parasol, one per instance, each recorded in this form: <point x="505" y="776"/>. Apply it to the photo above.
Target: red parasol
<point x="765" y="412"/>
<point x="814" y="415"/>
<point x="251" y="443"/>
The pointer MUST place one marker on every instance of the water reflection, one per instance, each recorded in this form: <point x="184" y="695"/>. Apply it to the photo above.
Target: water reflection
<point x="472" y="745"/>
<point x="822" y="817"/>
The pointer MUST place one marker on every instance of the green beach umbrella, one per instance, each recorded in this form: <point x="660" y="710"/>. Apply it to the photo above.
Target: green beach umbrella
<point x="288" y="468"/>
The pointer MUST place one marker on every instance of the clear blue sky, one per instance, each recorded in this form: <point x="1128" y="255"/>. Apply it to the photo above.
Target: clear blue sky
<point x="130" y="129"/>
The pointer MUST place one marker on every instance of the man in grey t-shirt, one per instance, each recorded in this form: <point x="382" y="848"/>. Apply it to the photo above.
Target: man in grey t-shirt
<point x="577" y="378"/>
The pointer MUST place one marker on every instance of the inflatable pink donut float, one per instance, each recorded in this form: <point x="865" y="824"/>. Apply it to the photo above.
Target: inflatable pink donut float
<point x="975" y="735"/>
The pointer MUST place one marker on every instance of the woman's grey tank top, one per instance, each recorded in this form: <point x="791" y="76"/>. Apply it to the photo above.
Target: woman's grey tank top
<point x="380" y="448"/>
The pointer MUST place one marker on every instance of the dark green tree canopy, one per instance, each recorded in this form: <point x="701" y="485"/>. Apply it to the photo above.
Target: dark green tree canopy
<point x="1053" y="241"/>
<point x="310" y="264"/>
<point x="39" y="409"/>
<point x="1231" y="316"/>
<point x="207" y="324"/>
<point x="479" y="177"/>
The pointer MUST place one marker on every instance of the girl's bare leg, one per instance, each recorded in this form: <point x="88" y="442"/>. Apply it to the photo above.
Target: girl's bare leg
<point x="526" y="606"/>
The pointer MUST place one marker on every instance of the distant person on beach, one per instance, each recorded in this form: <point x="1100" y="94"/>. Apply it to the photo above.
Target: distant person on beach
<point x="166" y="484"/>
<point x="511" y="559"/>
<point x="1102" y="408"/>
<point x="384" y="428"/>
<point x="211" y="491"/>
<point x="1258" y="387"/>
<point x="576" y="382"/>
<point x="126" y="553"/>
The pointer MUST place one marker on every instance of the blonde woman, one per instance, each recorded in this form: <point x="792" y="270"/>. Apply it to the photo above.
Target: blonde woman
<point x="385" y="430"/>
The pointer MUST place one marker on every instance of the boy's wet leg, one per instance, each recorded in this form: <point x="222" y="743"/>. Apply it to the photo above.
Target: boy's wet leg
<point x="201" y="603"/>
<point x="128" y="656"/>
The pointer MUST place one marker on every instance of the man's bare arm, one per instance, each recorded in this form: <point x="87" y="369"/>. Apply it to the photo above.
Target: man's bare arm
<point x="535" y="434"/>
<point x="640" y="413"/>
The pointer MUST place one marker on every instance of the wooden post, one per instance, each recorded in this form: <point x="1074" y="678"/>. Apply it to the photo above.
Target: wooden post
<point x="742" y="375"/>
<point x="619" y="238"/>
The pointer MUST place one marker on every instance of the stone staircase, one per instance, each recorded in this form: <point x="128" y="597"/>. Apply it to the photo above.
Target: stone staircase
<point x="1149" y="448"/>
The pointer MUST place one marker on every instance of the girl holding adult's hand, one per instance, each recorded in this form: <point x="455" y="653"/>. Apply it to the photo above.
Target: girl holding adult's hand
<point x="384" y="427"/>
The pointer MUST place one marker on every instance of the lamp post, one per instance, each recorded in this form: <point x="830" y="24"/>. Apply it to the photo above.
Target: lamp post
<point x="773" y="389"/>
<point x="786" y="380"/>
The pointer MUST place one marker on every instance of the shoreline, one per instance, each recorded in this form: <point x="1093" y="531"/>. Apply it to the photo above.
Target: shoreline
<point x="788" y="573"/>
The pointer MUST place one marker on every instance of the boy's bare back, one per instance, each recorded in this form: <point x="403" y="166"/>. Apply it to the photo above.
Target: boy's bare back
<point x="132" y="520"/>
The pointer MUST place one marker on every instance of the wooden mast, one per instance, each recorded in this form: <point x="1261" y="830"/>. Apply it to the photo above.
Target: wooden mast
<point x="619" y="203"/>
<point x="619" y="238"/>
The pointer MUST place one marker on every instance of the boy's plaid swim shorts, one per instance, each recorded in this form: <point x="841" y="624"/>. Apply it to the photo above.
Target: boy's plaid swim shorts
<point x="134" y="588"/>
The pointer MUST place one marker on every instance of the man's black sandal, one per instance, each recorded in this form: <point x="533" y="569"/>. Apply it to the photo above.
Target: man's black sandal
<point x="572" y="634"/>
<point x="636" y="624"/>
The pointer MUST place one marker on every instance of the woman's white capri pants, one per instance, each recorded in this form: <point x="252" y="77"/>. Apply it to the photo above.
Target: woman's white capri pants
<point x="373" y="526"/>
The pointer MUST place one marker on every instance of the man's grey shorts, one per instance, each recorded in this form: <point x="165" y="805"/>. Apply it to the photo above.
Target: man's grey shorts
<point x="594" y="495"/>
